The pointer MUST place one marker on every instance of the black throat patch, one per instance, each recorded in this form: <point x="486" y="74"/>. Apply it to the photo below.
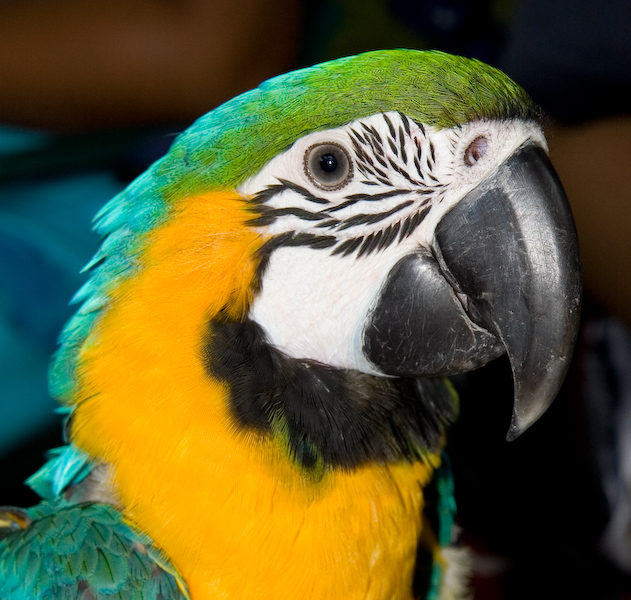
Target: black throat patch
<point x="327" y="416"/>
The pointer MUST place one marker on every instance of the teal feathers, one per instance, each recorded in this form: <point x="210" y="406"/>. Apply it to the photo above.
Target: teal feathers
<point x="66" y="466"/>
<point x="122" y="222"/>
<point x="82" y="551"/>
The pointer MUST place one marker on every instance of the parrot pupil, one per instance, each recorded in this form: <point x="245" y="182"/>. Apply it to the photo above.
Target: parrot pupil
<point x="328" y="165"/>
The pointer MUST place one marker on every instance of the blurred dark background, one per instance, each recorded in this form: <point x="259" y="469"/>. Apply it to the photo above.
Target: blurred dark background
<point x="93" y="93"/>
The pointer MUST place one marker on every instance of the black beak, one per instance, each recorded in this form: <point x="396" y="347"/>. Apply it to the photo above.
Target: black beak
<point x="503" y="276"/>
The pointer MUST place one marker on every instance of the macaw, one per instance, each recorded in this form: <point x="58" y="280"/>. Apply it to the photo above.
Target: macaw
<point x="255" y="380"/>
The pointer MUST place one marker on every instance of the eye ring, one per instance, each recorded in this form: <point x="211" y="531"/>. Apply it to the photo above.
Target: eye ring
<point x="475" y="150"/>
<point x="328" y="165"/>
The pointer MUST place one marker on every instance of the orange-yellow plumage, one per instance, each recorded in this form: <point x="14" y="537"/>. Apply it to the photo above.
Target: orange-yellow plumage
<point x="213" y="496"/>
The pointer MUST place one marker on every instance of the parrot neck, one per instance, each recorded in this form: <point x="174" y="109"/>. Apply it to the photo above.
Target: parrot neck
<point x="325" y="416"/>
<point x="227" y="503"/>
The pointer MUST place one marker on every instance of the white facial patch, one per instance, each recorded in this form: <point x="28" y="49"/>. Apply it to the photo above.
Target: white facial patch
<point x="339" y="244"/>
<point x="313" y="306"/>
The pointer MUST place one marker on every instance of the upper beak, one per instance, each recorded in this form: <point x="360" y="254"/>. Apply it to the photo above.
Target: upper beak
<point x="503" y="276"/>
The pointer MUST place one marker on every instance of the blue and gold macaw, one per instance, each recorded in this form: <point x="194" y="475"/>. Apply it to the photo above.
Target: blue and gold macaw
<point x="254" y="379"/>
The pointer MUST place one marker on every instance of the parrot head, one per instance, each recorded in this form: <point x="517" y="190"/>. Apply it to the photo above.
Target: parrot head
<point x="404" y="249"/>
<point x="405" y="224"/>
<point x="257" y="366"/>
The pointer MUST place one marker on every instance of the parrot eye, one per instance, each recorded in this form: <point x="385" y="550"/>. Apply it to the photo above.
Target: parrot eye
<point x="475" y="151"/>
<point x="328" y="166"/>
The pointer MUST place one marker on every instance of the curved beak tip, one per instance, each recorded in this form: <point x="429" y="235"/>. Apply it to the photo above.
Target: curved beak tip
<point x="535" y="393"/>
<point x="514" y="431"/>
<point x="518" y="425"/>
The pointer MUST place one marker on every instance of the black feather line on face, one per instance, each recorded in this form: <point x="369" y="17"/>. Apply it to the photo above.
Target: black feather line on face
<point x="393" y="147"/>
<point x="380" y="158"/>
<point x="404" y="156"/>
<point x="347" y="247"/>
<point x="417" y="166"/>
<point x="383" y="175"/>
<point x="305" y="193"/>
<point x="265" y="195"/>
<point x="370" y="244"/>
<point x="329" y="417"/>
<point x="405" y="174"/>
<point x="365" y="159"/>
<point x="365" y="244"/>
<point x="376" y="135"/>
<point x="366" y="162"/>
<point x="432" y="154"/>
<point x="365" y="127"/>
<point x="353" y="198"/>
<point x="379" y="155"/>
<point x="359" y="154"/>
<point x="330" y="223"/>
<point x="359" y="136"/>
<point x="430" y="176"/>
<point x="394" y="166"/>
<point x="264" y="253"/>
<point x="270" y="191"/>
<point x="406" y="122"/>
<point x="317" y="242"/>
<point x="368" y="219"/>
<point x="389" y="235"/>
<point x="372" y="137"/>
<point x="419" y="149"/>
<point x="390" y="125"/>
<point x="419" y="217"/>
<point x="365" y="172"/>
<point x="267" y="215"/>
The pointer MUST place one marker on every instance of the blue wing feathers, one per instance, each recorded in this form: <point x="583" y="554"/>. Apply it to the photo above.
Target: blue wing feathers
<point x="83" y="551"/>
<point x="66" y="466"/>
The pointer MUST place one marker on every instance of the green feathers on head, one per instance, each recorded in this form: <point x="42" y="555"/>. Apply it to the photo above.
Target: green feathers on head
<point x="234" y="141"/>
